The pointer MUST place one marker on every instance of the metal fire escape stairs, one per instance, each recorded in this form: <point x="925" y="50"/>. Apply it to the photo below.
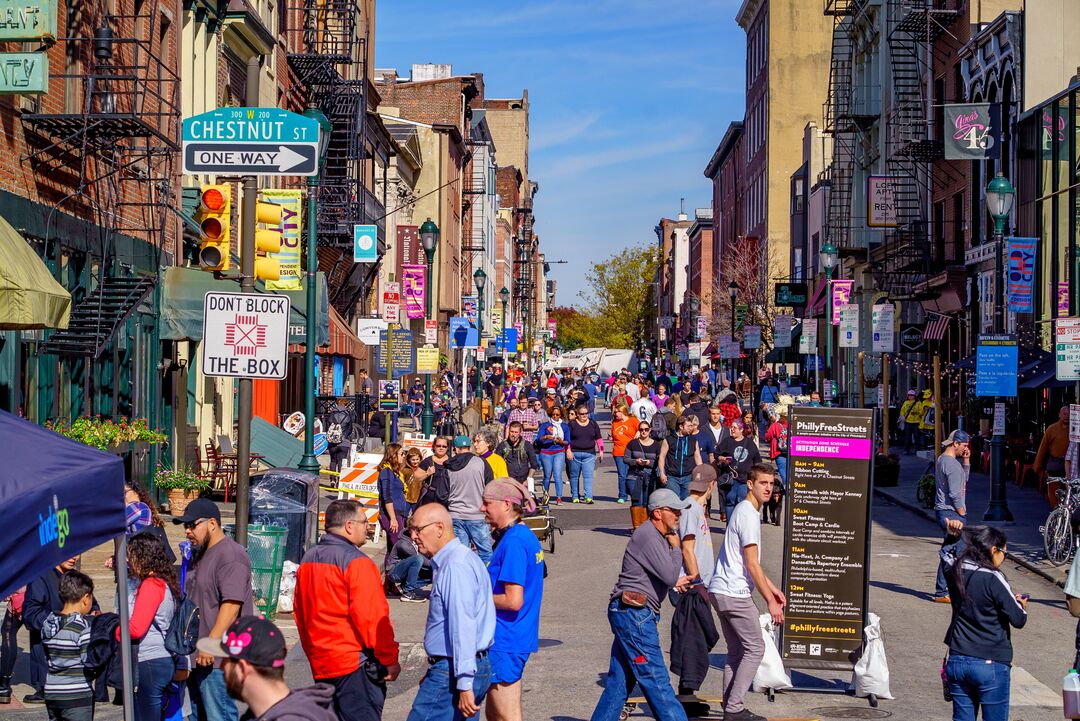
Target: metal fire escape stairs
<point x="99" y="316"/>
<point x="839" y="124"/>
<point x="911" y="152"/>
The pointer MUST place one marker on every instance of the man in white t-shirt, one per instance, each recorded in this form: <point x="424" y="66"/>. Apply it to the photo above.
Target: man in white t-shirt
<point x="738" y="573"/>
<point x="694" y="533"/>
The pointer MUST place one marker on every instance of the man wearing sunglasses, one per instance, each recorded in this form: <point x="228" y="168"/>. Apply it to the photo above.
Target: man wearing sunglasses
<point x="219" y="583"/>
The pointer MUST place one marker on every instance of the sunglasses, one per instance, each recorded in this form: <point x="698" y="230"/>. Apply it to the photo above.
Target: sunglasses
<point x="440" y="445"/>
<point x="191" y="525"/>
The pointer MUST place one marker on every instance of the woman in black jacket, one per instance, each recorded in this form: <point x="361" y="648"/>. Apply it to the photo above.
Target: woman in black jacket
<point x="984" y="608"/>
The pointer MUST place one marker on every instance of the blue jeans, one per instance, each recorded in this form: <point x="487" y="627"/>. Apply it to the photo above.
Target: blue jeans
<point x="622" y="468"/>
<point x="475" y="533"/>
<point x="941" y="588"/>
<point x="436" y="699"/>
<point x="679" y="484"/>
<point x="735" y="495"/>
<point x="975" y="683"/>
<point x="639" y="486"/>
<point x="781" y="467"/>
<point x="582" y="467"/>
<point x="209" y="699"/>
<point x="406" y="573"/>
<point x="554" y="465"/>
<point x="636" y="658"/>
<point x="154" y="675"/>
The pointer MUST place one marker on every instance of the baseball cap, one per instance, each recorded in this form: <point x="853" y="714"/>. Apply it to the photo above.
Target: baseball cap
<point x="250" y="638"/>
<point x="702" y="477"/>
<point x="912" y="393"/>
<point x="462" y="442"/>
<point x="199" y="508"/>
<point x="667" y="498"/>
<point x="551" y="391"/>
<point x="957" y="436"/>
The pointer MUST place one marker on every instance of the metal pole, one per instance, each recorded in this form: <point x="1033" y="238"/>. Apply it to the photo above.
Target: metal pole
<point x="479" y="347"/>
<point x="937" y="406"/>
<point x="126" y="666"/>
<point x="885" y="404"/>
<point x="243" y="396"/>
<point x="389" y="372"/>
<point x="998" y="509"/>
<point x="427" y="418"/>
<point x="828" y="335"/>
<point x="503" y="331"/>
<point x="309" y="462"/>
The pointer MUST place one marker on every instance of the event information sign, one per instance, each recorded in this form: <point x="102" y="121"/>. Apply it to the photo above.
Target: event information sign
<point x="404" y="352"/>
<point x="826" y="559"/>
<point x="996" y="366"/>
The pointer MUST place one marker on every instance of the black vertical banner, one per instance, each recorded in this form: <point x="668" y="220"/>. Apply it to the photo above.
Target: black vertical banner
<point x="972" y="131"/>
<point x="827" y="541"/>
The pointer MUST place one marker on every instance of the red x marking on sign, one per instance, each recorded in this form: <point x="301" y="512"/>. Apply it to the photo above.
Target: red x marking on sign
<point x="246" y="335"/>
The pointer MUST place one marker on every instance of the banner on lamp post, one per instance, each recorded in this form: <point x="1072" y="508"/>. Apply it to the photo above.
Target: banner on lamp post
<point x="470" y="308"/>
<point x="841" y="295"/>
<point x="782" y="331"/>
<point x="288" y="258"/>
<point x="496" y="320"/>
<point x="413" y="282"/>
<point x="1021" y="273"/>
<point x="701" y="325"/>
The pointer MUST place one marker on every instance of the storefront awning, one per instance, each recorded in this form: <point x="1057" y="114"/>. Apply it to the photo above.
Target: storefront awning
<point x="30" y="298"/>
<point x="183" y="290"/>
<point x="818" y="301"/>
<point x="343" y="341"/>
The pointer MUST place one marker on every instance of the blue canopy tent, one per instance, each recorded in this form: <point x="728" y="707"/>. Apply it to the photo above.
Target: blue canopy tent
<point x="58" y="498"/>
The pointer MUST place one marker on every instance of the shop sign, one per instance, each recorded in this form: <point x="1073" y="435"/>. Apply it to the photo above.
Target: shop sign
<point x="911" y="338"/>
<point x="996" y="366"/>
<point x="24" y="73"/>
<point x="791" y="295"/>
<point x="972" y="131"/>
<point x="27" y="20"/>
<point x="827" y="541"/>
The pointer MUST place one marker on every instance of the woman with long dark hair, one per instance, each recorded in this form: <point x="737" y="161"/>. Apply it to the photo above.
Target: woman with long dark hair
<point x="392" y="505"/>
<point x="152" y="608"/>
<point x="984" y="608"/>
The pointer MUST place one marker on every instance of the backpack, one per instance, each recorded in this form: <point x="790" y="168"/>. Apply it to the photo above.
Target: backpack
<point x="658" y="427"/>
<point x="781" y="440"/>
<point x="183" y="631"/>
<point x="334" y="433"/>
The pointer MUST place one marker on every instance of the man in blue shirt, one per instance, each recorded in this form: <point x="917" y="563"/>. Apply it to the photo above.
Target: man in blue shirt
<point x="517" y="577"/>
<point x="460" y="623"/>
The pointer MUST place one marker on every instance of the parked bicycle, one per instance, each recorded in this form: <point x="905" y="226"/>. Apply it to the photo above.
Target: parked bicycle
<point x="1059" y="536"/>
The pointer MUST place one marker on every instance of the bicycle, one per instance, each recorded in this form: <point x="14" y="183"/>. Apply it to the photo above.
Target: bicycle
<point x="1059" y="538"/>
<point x="451" y="424"/>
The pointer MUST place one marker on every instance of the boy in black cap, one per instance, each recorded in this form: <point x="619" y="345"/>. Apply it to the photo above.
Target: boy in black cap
<point x="252" y="655"/>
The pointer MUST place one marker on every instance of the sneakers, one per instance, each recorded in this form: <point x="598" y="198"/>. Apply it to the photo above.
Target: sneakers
<point x="575" y="500"/>
<point x="744" y="715"/>
<point x="413" y="597"/>
<point x="621" y="500"/>
<point x="695" y="709"/>
<point x="36" y="697"/>
<point x="942" y="599"/>
<point x="588" y="501"/>
<point x="557" y="500"/>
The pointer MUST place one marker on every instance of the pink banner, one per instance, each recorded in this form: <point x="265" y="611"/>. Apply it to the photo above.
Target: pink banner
<point x="841" y="296"/>
<point x="412" y="287"/>
<point x="816" y="446"/>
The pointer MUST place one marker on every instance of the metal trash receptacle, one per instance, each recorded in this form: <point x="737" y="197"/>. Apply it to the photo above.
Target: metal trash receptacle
<point x="266" y="549"/>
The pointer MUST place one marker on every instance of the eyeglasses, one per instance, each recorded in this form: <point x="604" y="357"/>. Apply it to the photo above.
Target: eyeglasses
<point x="191" y="525"/>
<point x="583" y="414"/>
<point x="440" y="445"/>
<point x="415" y="530"/>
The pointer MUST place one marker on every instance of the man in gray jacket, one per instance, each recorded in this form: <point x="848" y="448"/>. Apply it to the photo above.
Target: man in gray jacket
<point x="950" y="481"/>
<point x="467" y="475"/>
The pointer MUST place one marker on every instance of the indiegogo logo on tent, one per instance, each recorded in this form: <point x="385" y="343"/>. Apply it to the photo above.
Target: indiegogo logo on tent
<point x="54" y="526"/>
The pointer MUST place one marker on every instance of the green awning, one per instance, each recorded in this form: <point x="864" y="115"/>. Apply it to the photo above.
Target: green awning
<point x="183" y="290"/>
<point x="30" y="298"/>
<point x="278" y="448"/>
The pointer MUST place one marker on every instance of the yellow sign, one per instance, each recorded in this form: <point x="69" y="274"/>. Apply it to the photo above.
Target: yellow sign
<point x="496" y="321"/>
<point x="288" y="258"/>
<point x="427" y="360"/>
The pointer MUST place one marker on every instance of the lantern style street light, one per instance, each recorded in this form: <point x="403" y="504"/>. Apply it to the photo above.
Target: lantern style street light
<point x="829" y="258"/>
<point x="429" y="238"/>
<point x="480" y="280"/>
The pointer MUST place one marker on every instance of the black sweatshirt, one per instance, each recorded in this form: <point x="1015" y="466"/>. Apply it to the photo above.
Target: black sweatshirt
<point x="983" y="615"/>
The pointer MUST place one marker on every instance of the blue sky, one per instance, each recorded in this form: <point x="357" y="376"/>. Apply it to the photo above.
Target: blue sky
<point x="629" y="98"/>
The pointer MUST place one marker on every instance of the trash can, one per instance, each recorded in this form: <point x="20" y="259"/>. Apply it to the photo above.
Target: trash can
<point x="266" y="549"/>
<point x="285" y="497"/>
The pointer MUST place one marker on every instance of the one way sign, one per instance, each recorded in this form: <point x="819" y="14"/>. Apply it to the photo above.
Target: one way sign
<point x="250" y="141"/>
<point x="249" y="159"/>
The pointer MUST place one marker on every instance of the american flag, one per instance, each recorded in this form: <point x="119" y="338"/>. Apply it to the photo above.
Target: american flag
<point x="936" y="325"/>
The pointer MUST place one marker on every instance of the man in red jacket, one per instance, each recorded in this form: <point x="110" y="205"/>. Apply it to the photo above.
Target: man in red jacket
<point x="343" y="618"/>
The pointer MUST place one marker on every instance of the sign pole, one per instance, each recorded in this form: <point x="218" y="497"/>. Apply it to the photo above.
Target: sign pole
<point x="862" y="383"/>
<point x="937" y="406"/>
<point x="309" y="462"/>
<point x="885" y="404"/>
<point x="389" y="374"/>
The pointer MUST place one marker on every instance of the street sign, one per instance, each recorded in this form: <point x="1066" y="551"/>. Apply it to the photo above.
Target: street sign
<point x="751" y="337"/>
<point x="463" y="334"/>
<point x="849" y="326"/>
<point x="27" y="20"/>
<point x="508" y="339"/>
<point x="24" y="73"/>
<point x="245" y="335"/>
<point x="1067" y="349"/>
<point x="883" y="327"/>
<point x="431" y="332"/>
<point x="996" y="365"/>
<point x="250" y="141"/>
<point x="427" y="360"/>
<point x="782" y="331"/>
<point x="391" y="303"/>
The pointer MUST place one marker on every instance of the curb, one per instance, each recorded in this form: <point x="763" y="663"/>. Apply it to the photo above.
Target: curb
<point x="919" y="511"/>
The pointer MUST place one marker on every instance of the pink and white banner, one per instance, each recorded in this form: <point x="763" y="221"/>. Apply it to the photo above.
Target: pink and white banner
<point x="841" y="296"/>
<point x="413" y="287"/>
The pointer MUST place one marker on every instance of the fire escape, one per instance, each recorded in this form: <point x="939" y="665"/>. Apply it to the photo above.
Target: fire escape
<point x="525" y="269"/>
<point x="115" y="141"/>
<point x="327" y="54"/>
<point x="839" y="124"/>
<point x="911" y="151"/>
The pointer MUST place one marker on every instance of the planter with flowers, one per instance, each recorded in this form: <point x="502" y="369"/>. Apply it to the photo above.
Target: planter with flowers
<point x="182" y="485"/>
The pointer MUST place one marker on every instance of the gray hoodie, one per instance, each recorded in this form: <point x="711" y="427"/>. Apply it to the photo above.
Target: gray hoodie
<point x="314" y="703"/>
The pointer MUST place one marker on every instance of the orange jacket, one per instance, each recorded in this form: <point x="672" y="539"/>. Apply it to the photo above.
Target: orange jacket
<point x="340" y="609"/>
<point x="622" y="432"/>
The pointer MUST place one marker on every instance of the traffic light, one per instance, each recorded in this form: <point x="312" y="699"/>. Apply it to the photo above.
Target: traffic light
<point x="267" y="240"/>
<point x="214" y="216"/>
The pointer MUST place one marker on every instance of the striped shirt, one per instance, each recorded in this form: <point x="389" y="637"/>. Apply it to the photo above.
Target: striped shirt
<point x="66" y="640"/>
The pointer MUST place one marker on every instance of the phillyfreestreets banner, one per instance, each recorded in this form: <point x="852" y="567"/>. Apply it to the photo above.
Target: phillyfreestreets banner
<point x="1021" y="273"/>
<point x="292" y="204"/>
<point x="972" y="131"/>
<point x="826" y="545"/>
<point x="413" y="286"/>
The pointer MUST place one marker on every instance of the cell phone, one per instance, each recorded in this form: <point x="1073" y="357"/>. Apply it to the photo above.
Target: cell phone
<point x="1025" y="596"/>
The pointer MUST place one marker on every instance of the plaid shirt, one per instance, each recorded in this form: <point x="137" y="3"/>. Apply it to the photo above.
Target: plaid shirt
<point x="1071" y="457"/>
<point x="527" y="417"/>
<point x="138" y="517"/>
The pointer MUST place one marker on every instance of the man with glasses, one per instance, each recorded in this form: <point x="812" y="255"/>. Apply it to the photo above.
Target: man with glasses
<point x="219" y="583"/>
<point x="524" y="414"/>
<point x="951" y="471"/>
<point x="343" y="618"/>
<point x="650" y="569"/>
<point x="460" y="627"/>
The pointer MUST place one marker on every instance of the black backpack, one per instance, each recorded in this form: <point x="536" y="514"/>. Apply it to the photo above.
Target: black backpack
<point x="183" y="631"/>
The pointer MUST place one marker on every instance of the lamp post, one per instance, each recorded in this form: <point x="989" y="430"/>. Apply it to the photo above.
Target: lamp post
<point x="828" y="256"/>
<point x="733" y="290"/>
<point x="1000" y="195"/>
<point x="309" y="462"/>
<point x="504" y="296"/>
<point x="429" y="238"/>
<point x="480" y="280"/>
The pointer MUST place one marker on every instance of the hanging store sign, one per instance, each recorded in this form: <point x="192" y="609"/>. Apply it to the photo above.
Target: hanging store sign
<point x="752" y="337"/>
<point x="1067" y="349"/>
<point x="881" y="201"/>
<point x="972" y="131"/>
<point x="365" y="247"/>
<point x="883" y="327"/>
<point x="912" y="338"/>
<point x="245" y="335"/>
<point x="996" y="366"/>
<point x="27" y="20"/>
<point x="250" y="141"/>
<point x="288" y="258"/>
<point x="808" y="338"/>
<point x="841" y="295"/>
<point x="782" y="331"/>
<point x="849" y="326"/>
<point x="1021" y="273"/>
<point x="24" y="73"/>
<point x="413" y="287"/>
<point x="791" y="295"/>
<point x="368" y="329"/>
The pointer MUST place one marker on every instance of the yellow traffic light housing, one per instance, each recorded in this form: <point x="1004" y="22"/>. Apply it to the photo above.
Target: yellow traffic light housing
<point x="267" y="240"/>
<point x="215" y="220"/>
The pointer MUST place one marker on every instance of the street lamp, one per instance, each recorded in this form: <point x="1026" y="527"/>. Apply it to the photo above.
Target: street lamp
<point x="1000" y="195"/>
<point x="828" y="257"/>
<point x="480" y="279"/>
<point x="504" y="296"/>
<point x="733" y="290"/>
<point x="309" y="462"/>
<point x="429" y="238"/>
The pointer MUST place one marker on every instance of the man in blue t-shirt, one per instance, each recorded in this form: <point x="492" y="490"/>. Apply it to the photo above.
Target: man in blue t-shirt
<point x="516" y="569"/>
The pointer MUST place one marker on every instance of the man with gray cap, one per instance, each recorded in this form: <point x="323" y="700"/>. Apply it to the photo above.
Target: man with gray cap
<point x="650" y="568"/>
<point x="951" y="471"/>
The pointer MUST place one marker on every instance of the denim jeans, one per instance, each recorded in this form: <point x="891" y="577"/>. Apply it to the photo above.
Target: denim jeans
<point x="735" y="495"/>
<point x="679" y="484"/>
<point x="582" y="467"/>
<point x="356" y="696"/>
<point x="209" y="699"/>
<point x="639" y="486"/>
<point x="975" y="683"/>
<point x="622" y="468"/>
<point x="636" y="658"/>
<point x="475" y="533"/>
<point x="436" y="699"/>
<point x="554" y="465"/>
<point x="75" y="713"/>
<point x="941" y="588"/>
<point x="406" y="573"/>
<point x="154" y="675"/>
<point x="781" y="467"/>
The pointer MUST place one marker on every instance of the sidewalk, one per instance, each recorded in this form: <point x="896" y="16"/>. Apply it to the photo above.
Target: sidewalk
<point x="1029" y="511"/>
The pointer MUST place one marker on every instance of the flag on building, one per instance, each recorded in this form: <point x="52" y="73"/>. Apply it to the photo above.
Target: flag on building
<point x="936" y="325"/>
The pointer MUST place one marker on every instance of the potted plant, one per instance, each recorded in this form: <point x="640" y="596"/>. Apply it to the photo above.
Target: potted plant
<point x="183" y="487"/>
<point x="886" y="469"/>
